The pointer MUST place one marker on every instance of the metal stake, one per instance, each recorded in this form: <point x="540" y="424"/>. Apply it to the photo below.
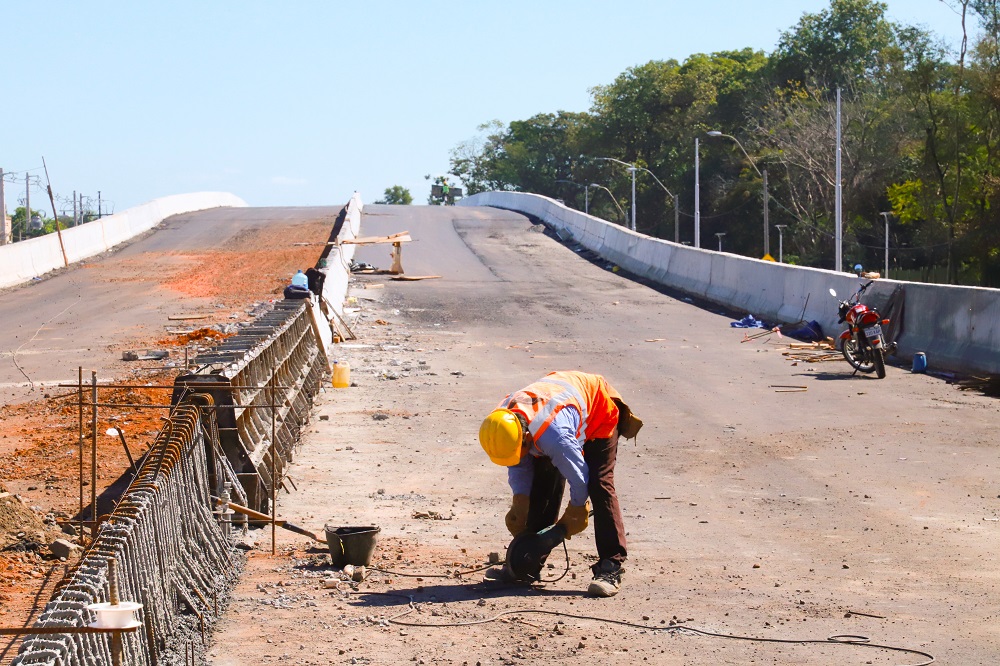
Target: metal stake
<point x="93" y="454"/>
<point x="274" y="494"/>
<point x="80" y="397"/>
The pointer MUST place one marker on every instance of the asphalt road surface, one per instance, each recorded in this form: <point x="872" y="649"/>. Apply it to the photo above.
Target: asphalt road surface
<point x="850" y="506"/>
<point x="84" y="315"/>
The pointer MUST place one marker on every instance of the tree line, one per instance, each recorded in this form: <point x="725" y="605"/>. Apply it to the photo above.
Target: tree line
<point x="920" y="148"/>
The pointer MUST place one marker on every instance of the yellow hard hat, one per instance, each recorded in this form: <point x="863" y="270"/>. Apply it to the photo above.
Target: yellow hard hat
<point x="500" y="436"/>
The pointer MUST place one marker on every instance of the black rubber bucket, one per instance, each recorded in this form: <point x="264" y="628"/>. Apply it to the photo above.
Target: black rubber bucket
<point x="352" y="545"/>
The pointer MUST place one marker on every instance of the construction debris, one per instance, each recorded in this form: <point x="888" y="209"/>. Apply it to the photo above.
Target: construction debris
<point x="987" y="385"/>
<point x="431" y="515"/>
<point x="813" y="352"/>
<point x="187" y="317"/>
<point x="145" y="355"/>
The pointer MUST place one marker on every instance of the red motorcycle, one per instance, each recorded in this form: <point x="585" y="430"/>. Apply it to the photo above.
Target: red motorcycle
<point x="863" y="342"/>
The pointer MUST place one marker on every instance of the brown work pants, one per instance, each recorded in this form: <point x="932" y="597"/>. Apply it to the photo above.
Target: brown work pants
<point x="547" y="491"/>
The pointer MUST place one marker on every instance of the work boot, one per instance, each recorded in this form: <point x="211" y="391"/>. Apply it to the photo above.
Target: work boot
<point x="607" y="579"/>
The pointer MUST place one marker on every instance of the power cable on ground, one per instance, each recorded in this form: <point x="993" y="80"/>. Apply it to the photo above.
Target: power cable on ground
<point x="853" y="640"/>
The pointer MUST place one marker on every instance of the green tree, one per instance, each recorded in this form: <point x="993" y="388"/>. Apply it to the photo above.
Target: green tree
<point x="397" y="195"/>
<point x="921" y="137"/>
<point x="22" y="226"/>
<point x="528" y="155"/>
<point x="836" y="47"/>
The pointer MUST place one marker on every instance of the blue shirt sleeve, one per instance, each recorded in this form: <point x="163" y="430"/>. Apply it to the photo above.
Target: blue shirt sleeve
<point x="559" y="443"/>
<point x="520" y="476"/>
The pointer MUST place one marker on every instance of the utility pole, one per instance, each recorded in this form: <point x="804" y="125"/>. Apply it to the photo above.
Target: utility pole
<point x="27" y="206"/>
<point x="839" y="232"/>
<point x="55" y="215"/>
<point x="767" y="228"/>
<point x="697" y="198"/>
<point x="98" y="204"/>
<point x="677" y="220"/>
<point x="3" y="213"/>
<point x="75" y="222"/>
<point x="886" y="217"/>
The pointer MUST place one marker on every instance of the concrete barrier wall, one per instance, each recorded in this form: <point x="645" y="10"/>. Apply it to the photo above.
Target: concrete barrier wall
<point x="339" y="260"/>
<point x="957" y="327"/>
<point x="20" y="262"/>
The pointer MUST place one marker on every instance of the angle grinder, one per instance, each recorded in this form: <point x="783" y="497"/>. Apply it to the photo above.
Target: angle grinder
<point x="527" y="552"/>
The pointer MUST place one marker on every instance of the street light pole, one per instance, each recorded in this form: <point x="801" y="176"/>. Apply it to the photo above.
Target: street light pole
<point x="633" y="197"/>
<point x="886" y="217"/>
<point x="781" y="239"/>
<point x="767" y="226"/>
<point x="838" y="235"/>
<point x="677" y="210"/>
<point x="631" y="168"/>
<point x="719" y="235"/>
<point x="586" y="193"/>
<point x="3" y="213"/>
<point x="27" y="206"/>
<point x="697" y="198"/>
<point x="613" y="200"/>
<point x="763" y="175"/>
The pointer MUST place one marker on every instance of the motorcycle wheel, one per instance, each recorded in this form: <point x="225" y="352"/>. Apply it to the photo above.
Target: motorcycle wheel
<point x="879" y="360"/>
<point x="859" y="360"/>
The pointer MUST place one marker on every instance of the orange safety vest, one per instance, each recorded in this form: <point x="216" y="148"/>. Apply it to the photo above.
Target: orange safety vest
<point x="591" y="395"/>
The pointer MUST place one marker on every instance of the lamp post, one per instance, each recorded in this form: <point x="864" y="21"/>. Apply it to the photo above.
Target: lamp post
<point x="886" y="217"/>
<point x="697" y="198"/>
<point x="632" y="169"/>
<point x="613" y="200"/>
<point x="719" y="235"/>
<point x="586" y="193"/>
<point x="763" y="175"/>
<point x="781" y="238"/>
<point x="677" y="220"/>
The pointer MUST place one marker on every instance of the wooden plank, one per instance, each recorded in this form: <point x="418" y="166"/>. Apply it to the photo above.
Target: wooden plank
<point x="402" y="237"/>
<point x="410" y="278"/>
<point x="187" y="317"/>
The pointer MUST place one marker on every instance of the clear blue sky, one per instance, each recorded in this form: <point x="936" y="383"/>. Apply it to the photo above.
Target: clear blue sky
<point x="304" y="102"/>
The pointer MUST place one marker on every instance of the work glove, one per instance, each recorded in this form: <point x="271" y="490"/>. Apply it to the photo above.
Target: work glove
<point x="628" y="423"/>
<point x="575" y="518"/>
<point x="517" y="517"/>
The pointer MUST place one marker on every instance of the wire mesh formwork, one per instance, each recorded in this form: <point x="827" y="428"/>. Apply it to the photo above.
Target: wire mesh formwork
<point x="275" y="368"/>
<point x="170" y="552"/>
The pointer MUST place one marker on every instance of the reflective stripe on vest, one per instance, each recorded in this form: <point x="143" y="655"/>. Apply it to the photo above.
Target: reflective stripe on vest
<point x="542" y="409"/>
<point x="559" y="400"/>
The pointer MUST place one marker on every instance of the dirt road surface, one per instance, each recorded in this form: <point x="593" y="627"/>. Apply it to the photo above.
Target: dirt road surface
<point x="217" y="266"/>
<point x="209" y="264"/>
<point x="854" y="507"/>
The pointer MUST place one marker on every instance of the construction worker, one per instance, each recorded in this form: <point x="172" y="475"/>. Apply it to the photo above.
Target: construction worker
<point x="564" y="427"/>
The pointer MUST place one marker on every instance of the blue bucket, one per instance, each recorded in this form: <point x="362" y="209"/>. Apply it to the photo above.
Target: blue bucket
<point x="919" y="362"/>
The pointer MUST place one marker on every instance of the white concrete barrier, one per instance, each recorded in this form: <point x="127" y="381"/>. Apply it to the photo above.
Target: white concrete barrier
<point x="338" y="262"/>
<point x="957" y="327"/>
<point x="21" y="262"/>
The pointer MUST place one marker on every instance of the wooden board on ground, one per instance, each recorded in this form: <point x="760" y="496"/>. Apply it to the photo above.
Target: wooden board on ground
<point x="187" y="317"/>
<point x="410" y="278"/>
<point x="810" y="345"/>
<point x="401" y="237"/>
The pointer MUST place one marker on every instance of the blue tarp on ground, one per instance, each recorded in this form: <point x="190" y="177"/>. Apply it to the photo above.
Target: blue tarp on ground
<point x="748" y="322"/>
<point x="811" y="332"/>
